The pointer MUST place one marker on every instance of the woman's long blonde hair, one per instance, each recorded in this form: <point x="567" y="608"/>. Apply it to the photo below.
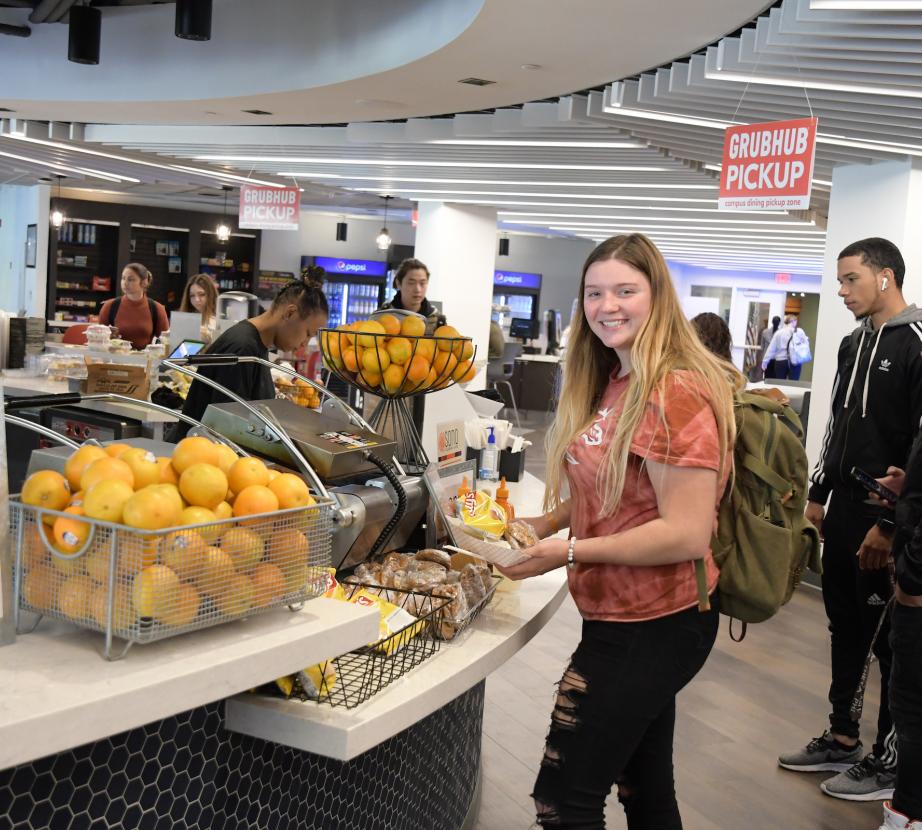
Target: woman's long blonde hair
<point x="665" y="343"/>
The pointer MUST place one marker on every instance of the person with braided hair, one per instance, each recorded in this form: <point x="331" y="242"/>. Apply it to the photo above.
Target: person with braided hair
<point x="298" y="311"/>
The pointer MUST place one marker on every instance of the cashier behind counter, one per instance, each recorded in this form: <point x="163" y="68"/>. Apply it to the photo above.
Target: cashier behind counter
<point x="297" y="312"/>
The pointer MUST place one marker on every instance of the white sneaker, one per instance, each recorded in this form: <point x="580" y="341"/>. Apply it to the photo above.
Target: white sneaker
<point x="894" y="820"/>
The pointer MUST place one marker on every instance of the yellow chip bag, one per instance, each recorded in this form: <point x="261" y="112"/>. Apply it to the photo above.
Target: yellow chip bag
<point x="393" y="619"/>
<point x="482" y="516"/>
<point x="331" y="587"/>
<point x="318" y="681"/>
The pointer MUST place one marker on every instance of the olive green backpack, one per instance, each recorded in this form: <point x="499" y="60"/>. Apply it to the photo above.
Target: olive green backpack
<point x="763" y="542"/>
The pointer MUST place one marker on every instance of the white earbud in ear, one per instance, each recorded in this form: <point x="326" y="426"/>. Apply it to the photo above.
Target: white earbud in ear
<point x="883" y="284"/>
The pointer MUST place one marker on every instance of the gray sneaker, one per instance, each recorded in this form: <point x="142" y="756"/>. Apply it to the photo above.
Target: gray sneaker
<point x="822" y="754"/>
<point x="868" y="780"/>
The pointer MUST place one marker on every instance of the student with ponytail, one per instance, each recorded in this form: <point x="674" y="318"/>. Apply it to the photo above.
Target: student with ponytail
<point x="296" y="314"/>
<point x="642" y="441"/>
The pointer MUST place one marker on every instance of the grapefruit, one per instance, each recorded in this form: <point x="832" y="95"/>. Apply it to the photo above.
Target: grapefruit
<point x="376" y="359"/>
<point x="74" y="597"/>
<point x="149" y="509"/>
<point x="184" y="552"/>
<point x="291" y="491"/>
<point x="392" y="380"/>
<point x="39" y="586"/>
<point x="115" y="450"/>
<point x="223" y="511"/>
<point x="269" y="584"/>
<point x="289" y="552"/>
<point x="446" y="332"/>
<point x="226" y="457"/>
<point x="412" y="326"/>
<point x="389" y="323"/>
<point x="70" y="533"/>
<point x="399" y="350"/>
<point x="368" y="329"/>
<point x="244" y="547"/>
<point x="237" y="597"/>
<point x="255" y="499"/>
<point x="184" y="610"/>
<point x="217" y="570"/>
<point x="198" y="516"/>
<point x="122" y="613"/>
<point x="155" y="591"/>
<point x="167" y="473"/>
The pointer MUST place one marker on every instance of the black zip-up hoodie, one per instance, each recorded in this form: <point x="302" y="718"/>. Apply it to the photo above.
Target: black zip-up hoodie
<point x="876" y="405"/>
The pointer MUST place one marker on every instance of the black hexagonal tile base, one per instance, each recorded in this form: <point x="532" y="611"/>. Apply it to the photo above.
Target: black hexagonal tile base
<point x="187" y="773"/>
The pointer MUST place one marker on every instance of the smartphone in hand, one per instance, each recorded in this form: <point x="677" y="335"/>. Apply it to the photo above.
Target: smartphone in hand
<point x="872" y="485"/>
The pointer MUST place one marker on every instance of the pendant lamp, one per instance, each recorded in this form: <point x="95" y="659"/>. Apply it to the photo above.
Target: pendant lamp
<point x="223" y="231"/>
<point x="383" y="240"/>
<point x="57" y="216"/>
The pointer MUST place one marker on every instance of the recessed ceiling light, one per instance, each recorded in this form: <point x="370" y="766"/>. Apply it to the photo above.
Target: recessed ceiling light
<point x="378" y="102"/>
<point x="257" y="112"/>
<point x="476" y="81"/>
<point x="531" y="67"/>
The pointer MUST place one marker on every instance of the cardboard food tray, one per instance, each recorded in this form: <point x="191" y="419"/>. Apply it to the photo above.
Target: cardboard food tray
<point x="119" y="378"/>
<point x="493" y="553"/>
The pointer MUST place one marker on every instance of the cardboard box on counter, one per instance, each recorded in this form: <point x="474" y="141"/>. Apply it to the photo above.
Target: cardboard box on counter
<point x="118" y="378"/>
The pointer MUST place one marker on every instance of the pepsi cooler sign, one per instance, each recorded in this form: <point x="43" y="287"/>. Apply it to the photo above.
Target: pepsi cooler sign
<point x="517" y="279"/>
<point x="360" y="267"/>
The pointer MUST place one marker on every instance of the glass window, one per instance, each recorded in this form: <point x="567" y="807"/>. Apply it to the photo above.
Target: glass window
<point x="722" y="293"/>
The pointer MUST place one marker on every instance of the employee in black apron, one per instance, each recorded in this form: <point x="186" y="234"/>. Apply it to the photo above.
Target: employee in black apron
<point x="298" y="311"/>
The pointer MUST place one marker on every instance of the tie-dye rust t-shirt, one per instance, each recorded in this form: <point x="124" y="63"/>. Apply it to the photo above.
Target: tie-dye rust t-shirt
<point x="680" y="430"/>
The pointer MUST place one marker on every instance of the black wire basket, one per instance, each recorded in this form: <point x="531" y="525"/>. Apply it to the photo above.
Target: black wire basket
<point x="354" y="677"/>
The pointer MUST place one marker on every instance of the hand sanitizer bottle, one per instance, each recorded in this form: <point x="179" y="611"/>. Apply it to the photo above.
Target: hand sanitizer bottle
<point x="489" y="460"/>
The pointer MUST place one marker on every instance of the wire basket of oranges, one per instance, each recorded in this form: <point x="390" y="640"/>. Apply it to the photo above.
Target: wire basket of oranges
<point x="394" y="358"/>
<point x="141" y="548"/>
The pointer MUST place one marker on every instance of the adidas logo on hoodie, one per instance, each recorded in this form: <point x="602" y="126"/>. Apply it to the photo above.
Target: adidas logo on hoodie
<point x="874" y="599"/>
<point x="884" y="365"/>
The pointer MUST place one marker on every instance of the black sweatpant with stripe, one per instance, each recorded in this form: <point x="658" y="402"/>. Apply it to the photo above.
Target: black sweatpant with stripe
<point x="855" y="600"/>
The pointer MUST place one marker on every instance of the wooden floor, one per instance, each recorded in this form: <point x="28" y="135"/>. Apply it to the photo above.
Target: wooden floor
<point x="751" y="701"/>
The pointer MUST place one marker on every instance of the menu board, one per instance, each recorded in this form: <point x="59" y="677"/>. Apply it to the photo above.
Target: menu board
<point x="269" y="283"/>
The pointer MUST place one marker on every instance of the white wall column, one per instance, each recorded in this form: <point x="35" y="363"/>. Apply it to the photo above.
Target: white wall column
<point x="457" y="244"/>
<point x="882" y="199"/>
<point x="22" y="287"/>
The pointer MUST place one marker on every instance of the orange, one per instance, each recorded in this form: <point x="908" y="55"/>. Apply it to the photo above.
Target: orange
<point x="376" y="359"/>
<point x="412" y="326"/>
<point x="273" y="475"/>
<point x="289" y="552"/>
<point x="216" y="573"/>
<point x="79" y="460"/>
<point x="462" y="369"/>
<point x="97" y="561"/>
<point x="194" y="450"/>
<point x="39" y="587"/>
<point x="167" y="473"/>
<point x="444" y="364"/>
<point x="246" y="471"/>
<point x="122" y="612"/>
<point x="198" y="516"/>
<point x="223" y="511"/>
<point x="47" y="489"/>
<point x="184" y="552"/>
<point x="33" y="548"/>
<point x="237" y="597"/>
<point x="150" y="509"/>
<point x="115" y="450"/>
<point x="333" y="346"/>
<point x="143" y="464"/>
<point x="155" y="591"/>
<point x="425" y="347"/>
<point x="74" y="597"/>
<point x="105" y="469"/>
<point x="203" y="485"/>
<point x="269" y="584"/>
<point x="445" y="331"/>
<point x="431" y="379"/>
<point x="171" y="491"/>
<point x="399" y="350"/>
<point x="370" y="379"/>
<point x="418" y="369"/>
<point x="64" y="563"/>
<point x="392" y="380"/>
<point x="70" y="534"/>
<point x="345" y="335"/>
<point x="76" y="499"/>
<point x="465" y="350"/>
<point x="370" y="328"/>
<point x="390" y="323"/>
<point x="184" y="610"/>
<point x="351" y="360"/>
<point x="255" y="499"/>
<point x="468" y="376"/>
<point x="226" y="457"/>
<point x="291" y="491"/>
<point x="244" y="547"/>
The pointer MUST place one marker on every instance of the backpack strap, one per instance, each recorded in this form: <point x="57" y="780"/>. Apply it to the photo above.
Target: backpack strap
<point x="113" y="310"/>
<point x="152" y="306"/>
<point x="701" y="578"/>
<point x="759" y="468"/>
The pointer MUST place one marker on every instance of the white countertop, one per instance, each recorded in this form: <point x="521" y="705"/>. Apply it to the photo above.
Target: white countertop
<point x="17" y="386"/>
<point x="538" y="358"/>
<point x="518" y="612"/>
<point x="57" y="692"/>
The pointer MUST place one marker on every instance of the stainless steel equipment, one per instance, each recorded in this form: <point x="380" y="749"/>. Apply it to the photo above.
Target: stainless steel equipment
<point x="236" y="306"/>
<point x="552" y="330"/>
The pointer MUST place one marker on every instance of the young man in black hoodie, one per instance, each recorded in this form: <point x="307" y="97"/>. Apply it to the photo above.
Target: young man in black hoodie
<point x="874" y="418"/>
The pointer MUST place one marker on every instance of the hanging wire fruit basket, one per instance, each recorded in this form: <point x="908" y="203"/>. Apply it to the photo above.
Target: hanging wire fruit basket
<point x="395" y="367"/>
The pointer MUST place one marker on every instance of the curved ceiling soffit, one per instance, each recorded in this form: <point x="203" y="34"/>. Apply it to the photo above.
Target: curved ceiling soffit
<point x="361" y="61"/>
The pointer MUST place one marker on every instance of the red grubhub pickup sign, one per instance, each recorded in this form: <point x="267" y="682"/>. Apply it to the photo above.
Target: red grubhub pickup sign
<point x="270" y="208"/>
<point x="768" y="166"/>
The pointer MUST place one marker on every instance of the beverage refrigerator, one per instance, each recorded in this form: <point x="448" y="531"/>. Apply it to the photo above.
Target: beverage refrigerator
<point x="354" y="287"/>
<point x="516" y="294"/>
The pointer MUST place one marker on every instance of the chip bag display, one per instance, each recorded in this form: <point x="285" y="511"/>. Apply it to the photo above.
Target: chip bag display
<point x="481" y="515"/>
<point x="394" y="619"/>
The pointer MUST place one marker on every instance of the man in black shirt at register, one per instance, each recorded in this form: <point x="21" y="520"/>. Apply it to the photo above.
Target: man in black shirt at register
<point x="297" y="312"/>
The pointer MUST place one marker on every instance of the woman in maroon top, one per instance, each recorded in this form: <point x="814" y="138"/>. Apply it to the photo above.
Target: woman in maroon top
<point x="137" y="317"/>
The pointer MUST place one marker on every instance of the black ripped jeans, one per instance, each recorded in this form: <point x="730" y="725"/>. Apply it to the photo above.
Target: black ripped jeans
<point x="614" y="720"/>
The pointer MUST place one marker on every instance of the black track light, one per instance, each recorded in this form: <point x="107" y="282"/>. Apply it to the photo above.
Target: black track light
<point x="83" y="34"/>
<point x="504" y="246"/>
<point x="193" y="19"/>
<point x="342" y="229"/>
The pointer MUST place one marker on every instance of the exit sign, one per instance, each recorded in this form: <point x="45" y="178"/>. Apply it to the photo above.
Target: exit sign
<point x="784" y="278"/>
